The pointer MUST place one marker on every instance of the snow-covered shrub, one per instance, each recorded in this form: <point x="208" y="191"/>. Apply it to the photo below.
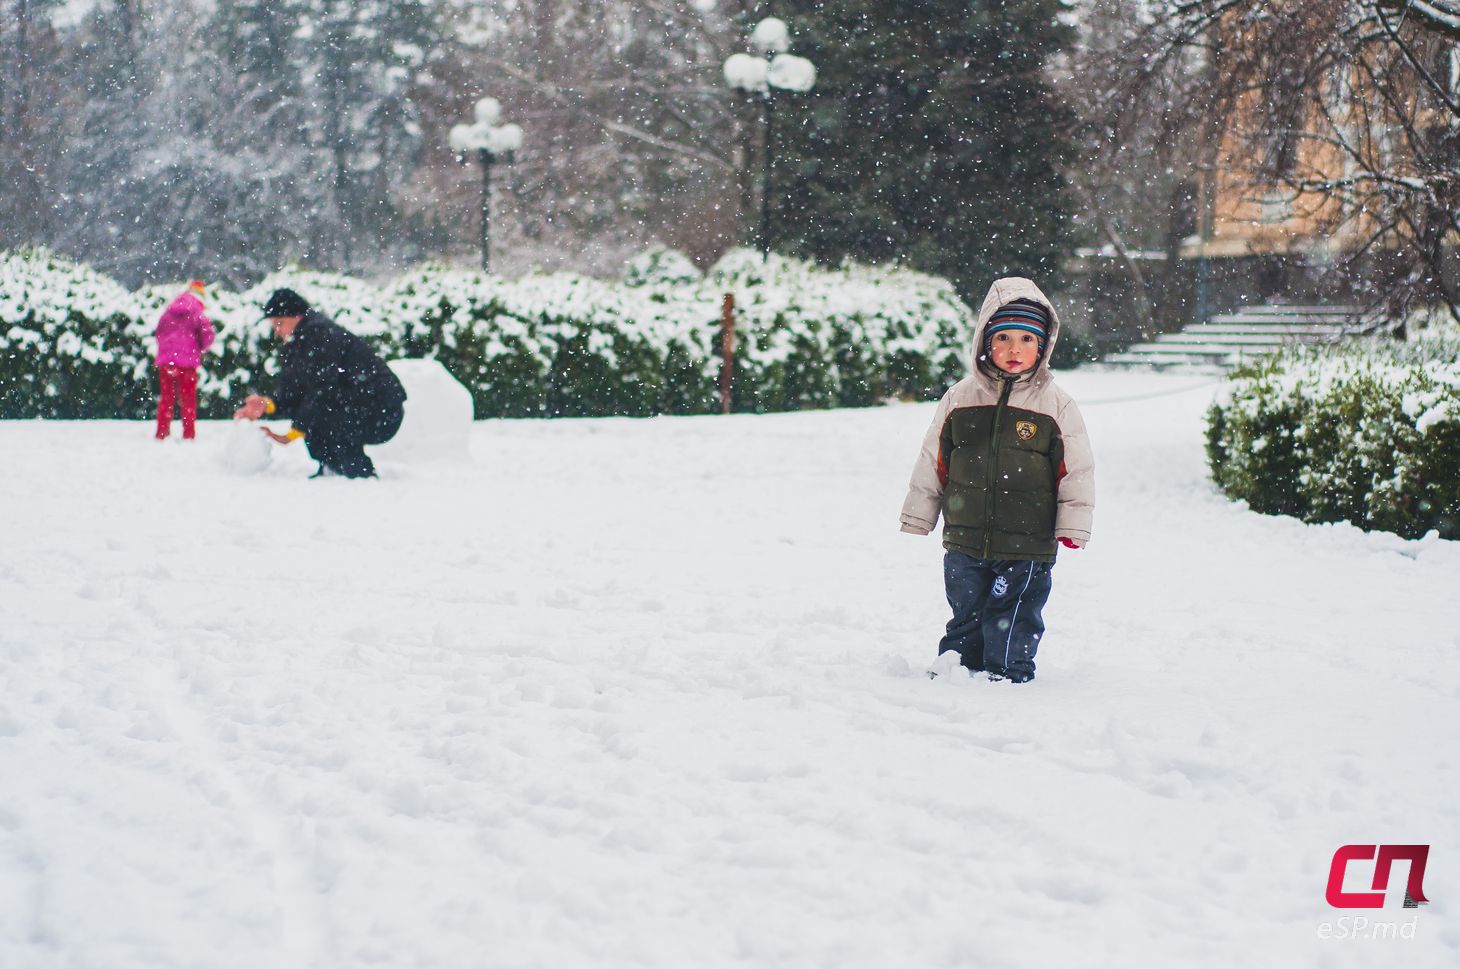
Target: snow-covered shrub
<point x="605" y="344"/>
<point x="70" y="343"/>
<point x="75" y="344"/>
<point x="353" y="303"/>
<point x="662" y="266"/>
<point x="1367" y="433"/>
<point x="813" y="337"/>
<point x="554" y="346"/>
<point x="563" y="345"/>
<point x="460" y="318"/>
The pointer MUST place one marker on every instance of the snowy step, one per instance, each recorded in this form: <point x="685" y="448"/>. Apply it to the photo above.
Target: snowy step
<point x="1335" y="322"/>
<point x="1227" y="339"/>
<point x="1154" y="353"/>
<point x="1241" y="339"/>
<point x="1267" y="329"/>
<point x="1278" y="319"/>
<point x="1169" y="361"/>
<point x="1270" y="317"/>
<point x="1308" y="310"/>
<point x="1182" y="349"/>
<point x="1162" y="355"/>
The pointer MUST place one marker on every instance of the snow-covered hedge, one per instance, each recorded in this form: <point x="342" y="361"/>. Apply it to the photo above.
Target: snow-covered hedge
<point x="70" y="345"/>
<point x="660" y="265"/>
<point x="1367" y="433"/>
<point x="74" y="343"/>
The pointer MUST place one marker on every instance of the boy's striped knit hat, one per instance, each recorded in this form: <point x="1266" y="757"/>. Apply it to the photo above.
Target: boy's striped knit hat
<point x="1020" y="316"/>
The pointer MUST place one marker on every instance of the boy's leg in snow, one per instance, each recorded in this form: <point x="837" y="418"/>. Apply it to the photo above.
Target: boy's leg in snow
<point x="966" y="580"/>
<point x="1013" y="617"/>
<point x="187" y="395"/>
<point x="167" y="388"/>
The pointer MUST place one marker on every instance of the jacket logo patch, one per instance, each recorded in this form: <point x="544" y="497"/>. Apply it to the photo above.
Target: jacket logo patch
<point x="1024" y="430"/>
<point x="1001" y="586"/>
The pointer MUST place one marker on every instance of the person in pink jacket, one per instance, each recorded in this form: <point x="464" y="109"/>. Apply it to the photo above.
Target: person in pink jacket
<point x="183" y="333"/>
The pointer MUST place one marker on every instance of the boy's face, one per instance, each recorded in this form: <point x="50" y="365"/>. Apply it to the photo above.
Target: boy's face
<point x="1014" y="351"/>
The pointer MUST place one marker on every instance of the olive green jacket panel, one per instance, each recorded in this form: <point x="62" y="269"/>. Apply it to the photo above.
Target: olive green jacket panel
<point x="1000" y="471"/>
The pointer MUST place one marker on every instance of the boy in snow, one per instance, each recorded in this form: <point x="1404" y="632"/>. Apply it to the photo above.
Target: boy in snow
<point x="1008" y="465"/>
<point x="183" y="333"/>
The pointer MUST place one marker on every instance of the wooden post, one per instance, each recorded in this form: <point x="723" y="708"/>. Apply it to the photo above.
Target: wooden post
<point x="727" y="351"/>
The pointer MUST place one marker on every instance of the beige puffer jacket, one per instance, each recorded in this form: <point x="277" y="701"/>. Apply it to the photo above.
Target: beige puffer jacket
<point x="1051" y="430"/>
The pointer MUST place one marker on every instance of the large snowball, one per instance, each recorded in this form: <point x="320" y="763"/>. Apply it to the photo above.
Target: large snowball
<point x="437" y="423"/>
<point x="246" y="450"/>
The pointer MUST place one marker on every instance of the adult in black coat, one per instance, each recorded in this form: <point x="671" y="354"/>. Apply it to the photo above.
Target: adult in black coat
<point x="337" y="392"/>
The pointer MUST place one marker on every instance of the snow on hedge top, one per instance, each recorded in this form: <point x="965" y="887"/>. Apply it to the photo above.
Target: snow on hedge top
<point x="1425" y="371"/>
<point x="352" y="302"/>
<point x="659" y="266"/>
<point x="38" y="287"/>
<point x="900" y="306"/>
<point x="665" y="300"/>
<point x="42" y="299"/>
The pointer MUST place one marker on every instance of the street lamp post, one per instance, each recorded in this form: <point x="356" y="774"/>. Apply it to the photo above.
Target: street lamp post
<point x="492" y="142"/>
<point x="773" y="70"/>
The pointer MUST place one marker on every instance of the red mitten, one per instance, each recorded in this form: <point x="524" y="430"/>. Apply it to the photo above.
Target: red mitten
<point x="1068" y="542"/>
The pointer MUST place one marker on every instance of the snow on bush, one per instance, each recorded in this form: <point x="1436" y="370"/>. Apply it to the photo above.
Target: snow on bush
<point x="76" y="344"/>
<point x="1367" y="433"/>
<point x="660" y="266"/>
<point x="70" y="345"/>
<point x="810" y="337"/>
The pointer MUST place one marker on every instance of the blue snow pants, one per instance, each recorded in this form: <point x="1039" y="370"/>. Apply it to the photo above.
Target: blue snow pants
<point x="998" y="608"/>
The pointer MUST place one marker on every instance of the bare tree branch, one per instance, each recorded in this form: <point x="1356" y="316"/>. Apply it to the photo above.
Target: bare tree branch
<point x="1435" y="16"/>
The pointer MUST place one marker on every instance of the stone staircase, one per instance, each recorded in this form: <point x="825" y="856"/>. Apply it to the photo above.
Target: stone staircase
<point x="1224" y="341"/>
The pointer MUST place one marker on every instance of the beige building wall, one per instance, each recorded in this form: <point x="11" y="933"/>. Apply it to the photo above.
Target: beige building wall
<point x="1245" y="216"/>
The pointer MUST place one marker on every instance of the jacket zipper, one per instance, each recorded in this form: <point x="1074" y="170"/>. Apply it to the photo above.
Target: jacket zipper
<point x="988" y="521"/>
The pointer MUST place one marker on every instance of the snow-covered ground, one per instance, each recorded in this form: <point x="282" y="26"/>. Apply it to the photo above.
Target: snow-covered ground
<point x="649" y="693"/>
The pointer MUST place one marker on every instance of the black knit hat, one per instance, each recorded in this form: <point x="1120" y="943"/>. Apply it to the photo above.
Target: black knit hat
<point x="286" y="302"/>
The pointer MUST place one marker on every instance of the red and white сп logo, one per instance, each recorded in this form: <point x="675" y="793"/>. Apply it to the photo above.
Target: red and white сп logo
<point x="1414" y="894"/>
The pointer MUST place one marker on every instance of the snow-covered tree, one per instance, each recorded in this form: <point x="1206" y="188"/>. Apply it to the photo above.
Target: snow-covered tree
<point x="30" y="108"/>
<point x="333" y="84"/>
